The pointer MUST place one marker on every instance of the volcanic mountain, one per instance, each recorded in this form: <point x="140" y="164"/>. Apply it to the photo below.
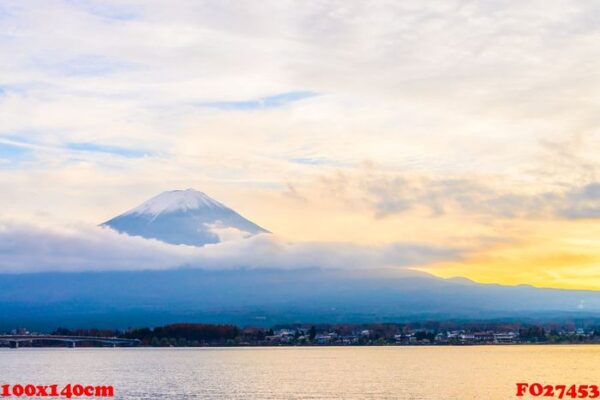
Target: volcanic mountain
<point x="255" y="296"/>
<point x="182" y="217"/>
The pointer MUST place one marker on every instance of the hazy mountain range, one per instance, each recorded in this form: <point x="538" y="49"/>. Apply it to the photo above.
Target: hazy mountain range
<point x="256" y="296"/>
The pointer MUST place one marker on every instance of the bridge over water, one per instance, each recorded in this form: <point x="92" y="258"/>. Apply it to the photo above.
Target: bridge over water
<point x="14" y="340"/>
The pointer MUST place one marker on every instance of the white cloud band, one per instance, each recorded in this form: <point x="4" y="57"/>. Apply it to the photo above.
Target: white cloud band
<point x="29" y="248"/>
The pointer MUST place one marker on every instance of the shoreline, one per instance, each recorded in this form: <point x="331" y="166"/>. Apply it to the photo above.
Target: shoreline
<point x="221" y="346"/>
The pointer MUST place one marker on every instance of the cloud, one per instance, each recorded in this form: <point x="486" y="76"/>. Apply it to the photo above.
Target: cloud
<point x="85" y="65"/>
<point x="388" y="193"/>
<point x="268" y="251"/>
<point x="226" y="233"/>
<point x="26" y="248"/>
<point x="292" y="193"/>
<point x="29" y="248"/>
<point x="582" y="202"/>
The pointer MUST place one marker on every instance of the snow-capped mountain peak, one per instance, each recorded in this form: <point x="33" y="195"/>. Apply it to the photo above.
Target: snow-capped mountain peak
<point x="174" y="201"/>
<point x="182" y="217"/>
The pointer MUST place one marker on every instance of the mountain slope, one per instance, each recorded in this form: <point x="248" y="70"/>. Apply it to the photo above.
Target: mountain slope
<point x="182" y="217"/>
<point x="267" y="297"/>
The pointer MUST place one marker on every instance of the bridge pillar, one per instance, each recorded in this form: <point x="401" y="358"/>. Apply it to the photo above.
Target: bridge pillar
<point x="72" y="345"/>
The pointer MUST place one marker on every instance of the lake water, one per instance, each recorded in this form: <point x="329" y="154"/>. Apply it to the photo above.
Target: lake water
<point x="472" y="372"/>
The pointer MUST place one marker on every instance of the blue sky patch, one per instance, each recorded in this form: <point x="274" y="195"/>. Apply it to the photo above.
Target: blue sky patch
<point x="4" y="11"/>
<point x="114" y="150"/>
<point x="12" y="151"/>
<point x="89" y="65"/>
<point x="317" y="161"/>
<point x="104" y="10"/>
<point x="12" y="154"/>
<point x="274" y="101"/>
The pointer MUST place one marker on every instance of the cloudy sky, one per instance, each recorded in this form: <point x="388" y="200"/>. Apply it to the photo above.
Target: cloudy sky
<point x="467" y="128"/>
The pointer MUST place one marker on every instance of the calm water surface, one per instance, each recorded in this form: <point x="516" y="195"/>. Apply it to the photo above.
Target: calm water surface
<point x="476" y="372"/>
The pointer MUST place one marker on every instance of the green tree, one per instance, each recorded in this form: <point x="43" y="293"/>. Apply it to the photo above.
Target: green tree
<point x="312" y="332"/>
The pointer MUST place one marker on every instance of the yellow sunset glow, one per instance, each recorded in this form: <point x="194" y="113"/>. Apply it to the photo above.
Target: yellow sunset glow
<point x="465" y="133"/>
<point x="560" y="255"/>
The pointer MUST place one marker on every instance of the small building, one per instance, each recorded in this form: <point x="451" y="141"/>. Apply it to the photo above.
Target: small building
<point x="322" y="339"/>
<point x="483" y="337"/>
<point x="466" y="338"/>
<point x="505" y="337"/>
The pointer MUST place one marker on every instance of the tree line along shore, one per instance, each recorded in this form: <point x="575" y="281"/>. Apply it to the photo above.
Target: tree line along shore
<point x="419" y="333"/>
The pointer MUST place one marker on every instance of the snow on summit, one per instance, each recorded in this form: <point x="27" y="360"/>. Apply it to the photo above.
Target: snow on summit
<point x="182" y="217"/>
<point x="176" y="200"/>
